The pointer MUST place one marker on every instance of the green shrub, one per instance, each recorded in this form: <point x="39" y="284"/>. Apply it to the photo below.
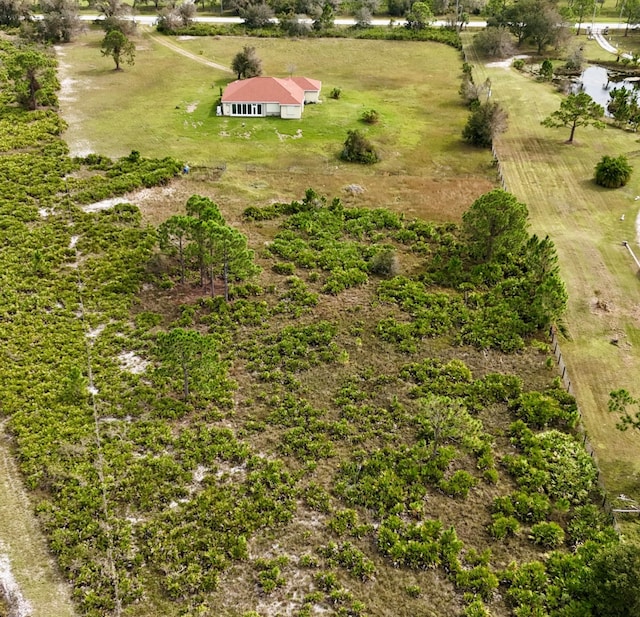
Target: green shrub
<point x="476" y="609"/>
<point x="370" y="116"/>
<point x="503" y="526"/>
<point x="486" y="122"/>
<point x="526" y="507"/>
<point x="546" y="69"/>
<point x="349" y="557"/>
<point x="554" y="462"/>
<point x="537" y="409"/>
<point x="335" y="93"/>
<point x="459" y="484"/>
<point x="317" y="498"/>
<point x="358" y="149"/>
<point x="548" y="535"/>
<point x="284" y="268"/>
<point x="384" y="263"/>
<point x="341" y="279"/>
<point x="518" y="64"/>
<point x="479" y="580"/>
<point x="613" y="173"/>
<point x="588" y="523"/>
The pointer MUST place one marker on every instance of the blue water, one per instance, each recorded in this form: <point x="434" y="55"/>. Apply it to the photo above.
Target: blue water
<point x="595" y="82"/>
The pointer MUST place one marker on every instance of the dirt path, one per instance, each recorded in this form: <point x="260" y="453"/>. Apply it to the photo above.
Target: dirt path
<point x="28" y="573"/>
<point x="163" y="40"/>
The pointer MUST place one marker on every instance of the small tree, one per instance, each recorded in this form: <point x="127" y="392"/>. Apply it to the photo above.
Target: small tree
<point x="12" y="12"/>
<point x="358" y="149"/>
<point x="186" y="12"/>
<point x="188" y="353"/>
<point x="419" y="17"/>
<point x="246" y="63"/>
<point x="486" y="122"/>
<point x="292" y="25"/>
<point x="237" y="259"/>
<point x="495" y="225"/>
<point x="472" y="93"/>
<point x="173" y="238"/>
<point x="325" y="20"/>
<point x="362" y="17"/>
<point x="620" y="104"/>
<point x="370" y="116"/>
<point x="115" y="15"/>
<point x="494" y="42"/>
<point x="579" y="9"/>
<point x="575" y="59"/>
<point x="613" y="173"/>
<point x="546" y="69"/>
<point x="619" y="403"/>
<point x="33" y="77"/>
<point x="119" y="47"/>
<point x="576" y="110"/>
<point x="60" y="21"/>
<point x="257" y="15"/>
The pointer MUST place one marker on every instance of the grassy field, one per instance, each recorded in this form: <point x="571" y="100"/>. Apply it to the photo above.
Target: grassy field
<point x="424" y="165"/>
<point x="585" y="221"/>
<point x="428" y="173"/>
<point x="411" y="85"/>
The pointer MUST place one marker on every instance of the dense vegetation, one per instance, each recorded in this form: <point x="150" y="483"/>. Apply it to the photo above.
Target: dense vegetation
<point x="383" y="33"/>
<point x="376" y="405"/>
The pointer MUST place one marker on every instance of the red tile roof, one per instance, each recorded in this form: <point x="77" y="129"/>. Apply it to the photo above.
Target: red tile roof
<point x="306" y="84"/>
<point x="288" y="91"/>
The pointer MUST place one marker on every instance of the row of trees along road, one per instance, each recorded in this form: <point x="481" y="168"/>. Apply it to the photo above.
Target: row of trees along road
<point x="201" y="240"/>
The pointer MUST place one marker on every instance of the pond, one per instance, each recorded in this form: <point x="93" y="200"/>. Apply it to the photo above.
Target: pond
<point x="597" y="82"/>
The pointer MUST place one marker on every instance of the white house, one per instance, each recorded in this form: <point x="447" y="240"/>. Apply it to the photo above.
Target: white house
<point x="270" y="96"/>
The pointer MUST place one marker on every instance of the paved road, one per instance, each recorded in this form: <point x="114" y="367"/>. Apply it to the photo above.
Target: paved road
<point x="150" y="20"/>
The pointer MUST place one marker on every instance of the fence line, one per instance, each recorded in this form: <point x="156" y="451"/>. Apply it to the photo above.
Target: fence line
<point x="566" y="380"/>
<point x="555" y="345"/>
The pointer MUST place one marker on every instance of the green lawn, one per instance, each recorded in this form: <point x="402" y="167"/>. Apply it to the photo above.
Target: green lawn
<point x="165" y="105"/>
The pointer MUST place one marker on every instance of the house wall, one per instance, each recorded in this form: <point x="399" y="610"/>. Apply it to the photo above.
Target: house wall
<point x="227" y="109"/>
<point x="291" y="111"/>
<point x="268" y="109"/>
<point x="273" y="109"/>
<point x="311" y="96"/>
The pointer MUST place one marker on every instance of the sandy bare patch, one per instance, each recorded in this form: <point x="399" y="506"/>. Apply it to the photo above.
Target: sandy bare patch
<point x="227" y="472"/>
<point x="283" y="136"/>
<point x="132" y="363"/>
<point x="80" y="148"/>
<point x="94" y="333"/>
<point x="505" y="64"/>
<point x="191" y="107"/>
<point x="105" y="204"/>
<point x="19" y="606"/>
<point x="354" y="189"/>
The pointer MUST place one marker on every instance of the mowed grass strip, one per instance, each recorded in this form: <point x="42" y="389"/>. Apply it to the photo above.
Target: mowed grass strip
<point x="555" y="180"/>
